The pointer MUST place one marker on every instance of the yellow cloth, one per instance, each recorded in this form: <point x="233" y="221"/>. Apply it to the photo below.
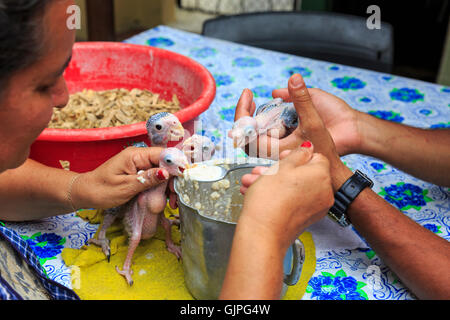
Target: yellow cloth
<point x="309" y="267"/>
<point x="157" y="273"/>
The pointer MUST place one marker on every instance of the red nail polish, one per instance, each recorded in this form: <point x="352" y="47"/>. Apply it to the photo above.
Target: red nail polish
<point x="160" y="175"/>
<point x="306" y="144"/>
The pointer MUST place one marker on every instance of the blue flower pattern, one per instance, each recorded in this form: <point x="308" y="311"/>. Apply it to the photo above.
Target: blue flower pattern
<point x="160" y="42"/>
<point x="406" y="95"/>
<point x="433" y="227"/>
<point x="336" y="287"/>
<point x="263" y="91"/>
<point x="247" y="62"/>
<point x="387" y="115"/>
<point x="305" y="72"/>
<point x="348" y="83"/>
<point x="425" y="112"/>
<point x="223" y="79"/>
<point x="205" y="52"/>
<point x="406" y="195"/>
<point x="46" y="246"/>
<point x="227" y="114"/>
<point x="441" y="125"/>
<point x="378" y="166"/>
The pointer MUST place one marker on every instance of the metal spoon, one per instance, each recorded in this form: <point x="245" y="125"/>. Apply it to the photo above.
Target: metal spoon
<point x="225" y="171"/>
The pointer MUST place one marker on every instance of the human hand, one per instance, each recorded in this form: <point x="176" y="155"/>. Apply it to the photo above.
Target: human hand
<point x="283" y="203"/>
<point x="313" y="129"/>
<point x="338" y="117"/>
<point x="116" y="181"/>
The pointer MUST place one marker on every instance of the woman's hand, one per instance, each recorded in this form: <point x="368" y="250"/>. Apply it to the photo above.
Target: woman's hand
<point x="338" y="117"/>
<point x="278" y="206"/>
<point x="283" y="200"/>
<point x="116" y="181"/>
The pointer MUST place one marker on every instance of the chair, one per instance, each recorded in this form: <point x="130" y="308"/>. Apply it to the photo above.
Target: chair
<point x="333" y="37"/>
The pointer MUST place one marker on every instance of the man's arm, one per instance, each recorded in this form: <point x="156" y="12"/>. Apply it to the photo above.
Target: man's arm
<point x="419" y="258"/>
<point x="416" y="255"/>
<point x="422" y="153"/>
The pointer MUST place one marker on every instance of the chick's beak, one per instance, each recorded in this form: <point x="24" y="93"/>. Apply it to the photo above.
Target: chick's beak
<point x="184" y="165"/>
<point x="239" y="141"/>
<point x="177" y="132"/>
<point x="235" y="137"/>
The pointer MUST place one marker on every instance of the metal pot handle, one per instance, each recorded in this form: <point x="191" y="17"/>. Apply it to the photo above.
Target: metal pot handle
<point x="298" y="250"/>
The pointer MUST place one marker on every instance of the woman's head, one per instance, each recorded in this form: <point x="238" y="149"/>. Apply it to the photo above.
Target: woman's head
<point x="35" y="48"/>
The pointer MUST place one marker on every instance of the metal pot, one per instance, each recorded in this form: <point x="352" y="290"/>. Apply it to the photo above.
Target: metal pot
<point x="208" y="225"/>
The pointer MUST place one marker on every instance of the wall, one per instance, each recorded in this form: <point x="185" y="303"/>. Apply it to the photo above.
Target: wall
<point x="444" y="71"/>
<point x="82" y="34"/>
<point x="131" y="15"/>
<point x="316" y="5"/>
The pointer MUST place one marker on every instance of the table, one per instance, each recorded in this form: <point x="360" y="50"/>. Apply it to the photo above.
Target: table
<point x="341" y="272"/>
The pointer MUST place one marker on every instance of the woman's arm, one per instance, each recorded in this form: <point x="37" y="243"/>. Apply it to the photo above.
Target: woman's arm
<point x="277" y="208"/>
<point x="34" y="191"/>
<point x="255" y="267"/>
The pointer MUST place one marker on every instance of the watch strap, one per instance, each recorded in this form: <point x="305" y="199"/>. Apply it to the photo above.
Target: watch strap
<point x="345" y="196"/>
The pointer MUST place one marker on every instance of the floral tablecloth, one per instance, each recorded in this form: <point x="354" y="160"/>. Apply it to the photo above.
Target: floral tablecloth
<point x="340" y="273"/>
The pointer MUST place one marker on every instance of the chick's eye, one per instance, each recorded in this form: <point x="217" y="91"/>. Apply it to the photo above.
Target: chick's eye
<point x="158" y="127"/>
<point x="205" y="148"/>
<point x="168" y="161"/>
<point x="249" y="131"/>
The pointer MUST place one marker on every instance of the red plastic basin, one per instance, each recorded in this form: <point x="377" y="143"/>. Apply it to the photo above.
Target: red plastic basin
<point x="110" y="65"/>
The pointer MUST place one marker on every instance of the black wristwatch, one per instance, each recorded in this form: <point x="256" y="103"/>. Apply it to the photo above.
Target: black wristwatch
<point x="345" y="196"/>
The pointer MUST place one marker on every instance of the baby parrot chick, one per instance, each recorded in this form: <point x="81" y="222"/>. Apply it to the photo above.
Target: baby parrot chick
<point x="162" y="128"/>
<point x="275" y="118"/>
<point x="198" y="148"/>
<point x="142" y="215"/>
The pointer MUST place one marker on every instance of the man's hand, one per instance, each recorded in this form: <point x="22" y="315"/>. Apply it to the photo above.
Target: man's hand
<point x="338" y="117"/>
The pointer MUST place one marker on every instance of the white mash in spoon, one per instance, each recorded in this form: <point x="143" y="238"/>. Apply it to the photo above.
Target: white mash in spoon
<point x="203" y="173"/>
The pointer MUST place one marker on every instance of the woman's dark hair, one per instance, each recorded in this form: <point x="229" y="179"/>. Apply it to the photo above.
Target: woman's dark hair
<point x="21" y="35"/>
